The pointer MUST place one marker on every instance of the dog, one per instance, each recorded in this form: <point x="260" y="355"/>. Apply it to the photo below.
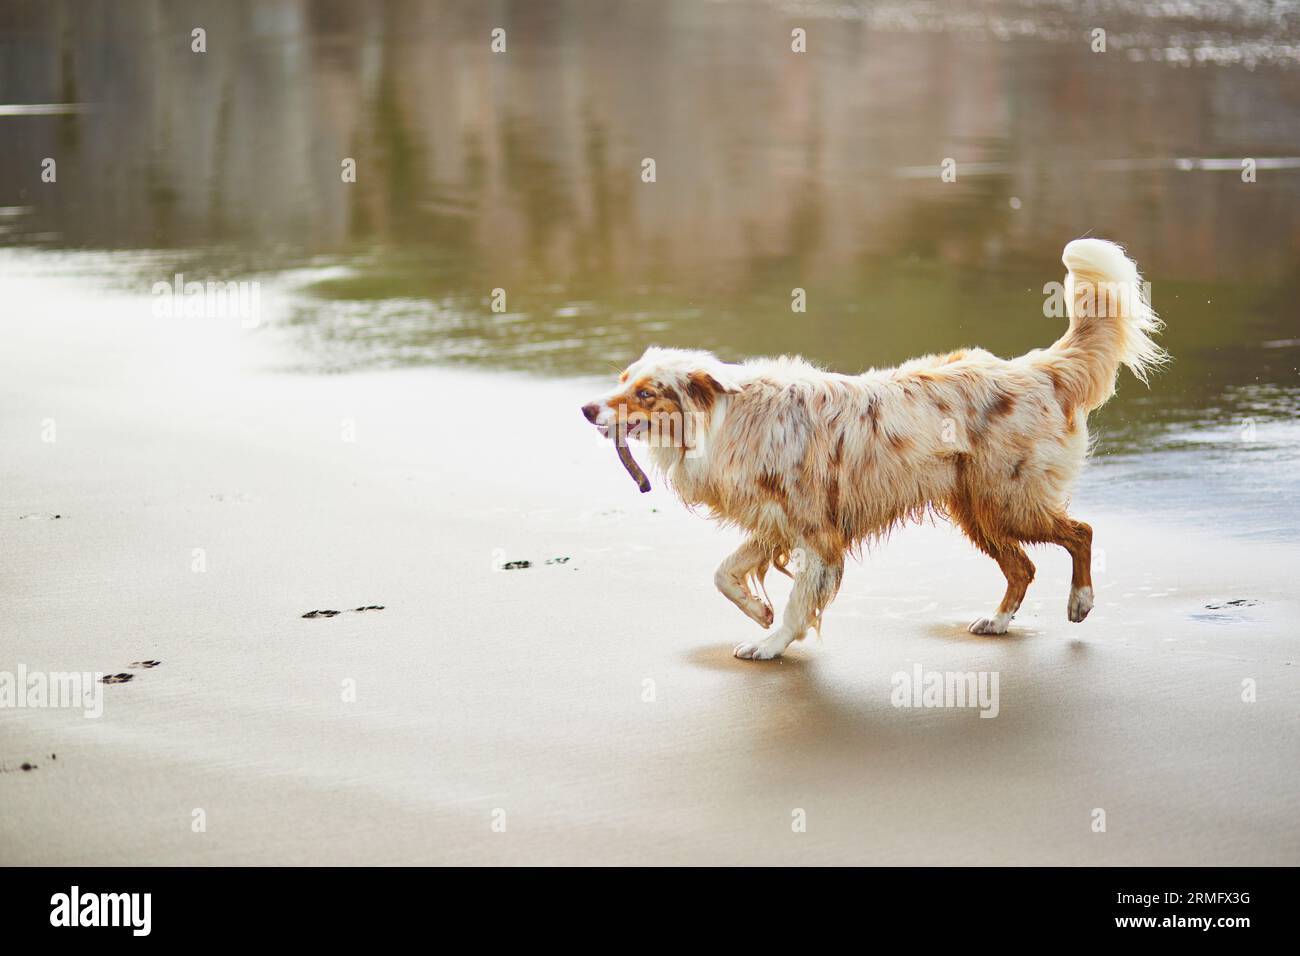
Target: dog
<point x="811" y="464"/>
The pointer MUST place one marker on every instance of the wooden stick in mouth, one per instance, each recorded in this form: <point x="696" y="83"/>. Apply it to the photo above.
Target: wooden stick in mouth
<point x="625" y="456"/>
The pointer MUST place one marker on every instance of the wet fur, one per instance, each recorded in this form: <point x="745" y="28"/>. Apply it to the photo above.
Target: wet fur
<point x="811" y="464"/>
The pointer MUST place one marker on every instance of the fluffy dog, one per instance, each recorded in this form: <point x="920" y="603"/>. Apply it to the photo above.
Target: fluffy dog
<point x="810" y="464"/>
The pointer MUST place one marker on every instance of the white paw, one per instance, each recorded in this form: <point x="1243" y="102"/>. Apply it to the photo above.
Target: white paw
<point x="1080" y="604"/>
<point x="991" y="625"/>
<point x="762" y="650"/>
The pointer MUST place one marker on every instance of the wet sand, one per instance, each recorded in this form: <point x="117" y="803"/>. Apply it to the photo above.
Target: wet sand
<point x="582" y="711"/>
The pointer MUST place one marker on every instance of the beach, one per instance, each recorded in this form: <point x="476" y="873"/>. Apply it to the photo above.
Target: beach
<point x="199" y="496"/>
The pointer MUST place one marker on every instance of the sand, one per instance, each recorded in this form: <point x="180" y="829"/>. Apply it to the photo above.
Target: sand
<point x="583" y="711"/>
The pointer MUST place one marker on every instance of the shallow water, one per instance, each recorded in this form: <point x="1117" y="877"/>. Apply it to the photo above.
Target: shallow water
<point x="521" y="171"/>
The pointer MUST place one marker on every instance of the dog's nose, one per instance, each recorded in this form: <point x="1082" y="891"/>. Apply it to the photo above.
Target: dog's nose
<point x="591" y="410"/>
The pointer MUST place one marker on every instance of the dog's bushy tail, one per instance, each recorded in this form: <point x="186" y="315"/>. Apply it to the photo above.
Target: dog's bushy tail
<point x="1111" y="324"/>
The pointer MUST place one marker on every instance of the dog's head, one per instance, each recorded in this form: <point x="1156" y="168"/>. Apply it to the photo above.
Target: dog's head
<point x="663" y="395"/>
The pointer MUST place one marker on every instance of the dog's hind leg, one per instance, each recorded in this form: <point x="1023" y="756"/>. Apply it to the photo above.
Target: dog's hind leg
<point x="815" y="586"/>
<point x="1019" y="571"/>
<point x="1076" y="538"/>
<point x="750" y="558"/>
<point x="984" y="522"/>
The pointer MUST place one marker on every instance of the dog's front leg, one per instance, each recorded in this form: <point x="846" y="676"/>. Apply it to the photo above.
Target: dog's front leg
<point x="749" y="559"/>
<point x="815" y="585"/>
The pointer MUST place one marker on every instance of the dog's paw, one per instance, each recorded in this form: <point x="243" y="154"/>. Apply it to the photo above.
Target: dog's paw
<point x="1080" y="604"/>
<point x="760" y="612"/>
<point x="757" y="650"/>
<point x="991" y="625"/>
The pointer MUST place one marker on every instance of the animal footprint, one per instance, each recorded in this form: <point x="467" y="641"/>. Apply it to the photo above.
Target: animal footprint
<point x="116" y="678"/>
<point x="365" y="607"/>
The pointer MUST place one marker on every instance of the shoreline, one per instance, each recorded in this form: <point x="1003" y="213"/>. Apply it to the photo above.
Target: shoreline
<point x="592" y="705"/>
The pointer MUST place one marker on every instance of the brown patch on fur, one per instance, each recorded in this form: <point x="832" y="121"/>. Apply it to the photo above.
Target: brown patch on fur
<point x="979" y="517"/>
<point x="833" y="502"/>
<point x="1015" y="472"/>
<point x="666" y="415"/>
<point x="663" y="401"/>
<point x="1074" y="536"/>
<point x="1019" y="572"/>
<point x="993" y="533"/>
<point x="1064" y="397"/>
<point x="899" y="442"/>
<point x="662" y="410"/>
<point x="772" y="485"/>
<point x="872" y="413"/>
<point x="702" y="389"/>
<point x="630" y="400"/>
<point x="977" y="423"/>
<point x="1002" y="406"/>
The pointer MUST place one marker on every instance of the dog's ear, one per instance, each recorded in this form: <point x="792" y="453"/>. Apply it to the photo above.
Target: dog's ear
<point x="705" y="385"/>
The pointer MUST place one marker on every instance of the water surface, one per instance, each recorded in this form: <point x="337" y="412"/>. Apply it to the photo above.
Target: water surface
<point x="521" y="171"/>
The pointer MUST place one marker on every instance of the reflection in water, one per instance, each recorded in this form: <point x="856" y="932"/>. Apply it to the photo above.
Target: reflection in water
<point x="775" y="170"/>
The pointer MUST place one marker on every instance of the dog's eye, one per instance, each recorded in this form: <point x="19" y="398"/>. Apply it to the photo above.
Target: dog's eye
<point x="645" y="393"/>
